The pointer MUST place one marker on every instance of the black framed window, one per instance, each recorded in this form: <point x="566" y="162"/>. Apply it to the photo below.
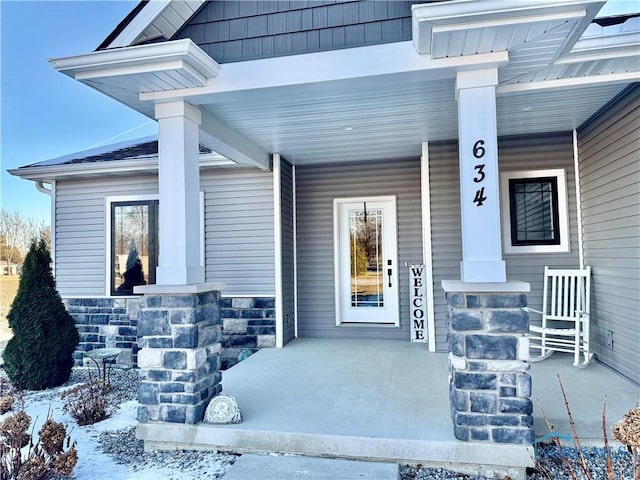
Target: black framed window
<point x="134" y="245"/>
<point x="534" y="211"/>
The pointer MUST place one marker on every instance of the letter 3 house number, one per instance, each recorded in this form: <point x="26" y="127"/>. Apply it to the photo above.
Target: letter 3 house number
<point x="478" y="152"/>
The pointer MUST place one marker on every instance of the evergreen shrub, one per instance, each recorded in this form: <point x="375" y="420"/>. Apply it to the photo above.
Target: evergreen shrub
<point x="40" y="353"/>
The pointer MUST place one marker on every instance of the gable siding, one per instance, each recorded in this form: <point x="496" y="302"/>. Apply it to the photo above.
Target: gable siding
<point x="80" y="230"/>
<point x="316" y="188"/>
<point x="288" y="259"/>
<point x="232" y="31"/>
<point x="514" y="154"/>
<point x="609" y="154"/>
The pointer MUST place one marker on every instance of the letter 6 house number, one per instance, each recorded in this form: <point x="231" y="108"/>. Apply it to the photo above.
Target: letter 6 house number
<point x="478" y="152"/>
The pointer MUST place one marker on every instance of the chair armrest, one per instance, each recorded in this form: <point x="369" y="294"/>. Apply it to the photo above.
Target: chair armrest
<point x="529" y="309"/>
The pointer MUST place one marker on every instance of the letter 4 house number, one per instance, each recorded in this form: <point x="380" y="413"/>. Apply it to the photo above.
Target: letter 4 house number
<point x="478" y="152"/>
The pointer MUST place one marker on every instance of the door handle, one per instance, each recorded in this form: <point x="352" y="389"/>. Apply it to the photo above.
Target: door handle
<point x="389" y="272"/>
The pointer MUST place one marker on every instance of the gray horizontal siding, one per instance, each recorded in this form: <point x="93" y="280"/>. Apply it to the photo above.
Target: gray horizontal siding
<point x="288" y="259"/>
<point x="609" y="154"/>
<point x="231" y="31"/>
<point x="514" y="154"/>
<point x="80" y="229"/>
<point x="239" y="230"/>
<point x="537" y="153"/>
<point x="316" y="187"/>
<point x="238" y="224"/>
<point x="446" y="233"/>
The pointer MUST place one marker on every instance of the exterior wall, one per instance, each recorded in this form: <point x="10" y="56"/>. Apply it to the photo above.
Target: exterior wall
<point x="248" y="324"/>
<point x="609" y="154"/>
<point x="106" y="323"/>
<point x="231" y="31"/>
<point x="239" y="230"/>
<point x="288" y="255"/>
<point x="80" y="229"/>
<point x="238" y="225"/>
<point x="316" y="187"/>
<point x="525" y="153"/>
<point x="239" y="252"/>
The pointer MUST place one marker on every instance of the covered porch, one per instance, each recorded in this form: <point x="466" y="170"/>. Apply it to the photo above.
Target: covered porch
<point x="383" y="401"/>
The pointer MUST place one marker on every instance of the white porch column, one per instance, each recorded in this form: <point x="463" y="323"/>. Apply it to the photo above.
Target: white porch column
<point x="179" y="185"/>
<point x="478" y="153"/>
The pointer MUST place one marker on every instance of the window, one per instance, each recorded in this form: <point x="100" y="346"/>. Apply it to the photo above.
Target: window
<point x="534" y="211"/>
<point x="134" y="244"/>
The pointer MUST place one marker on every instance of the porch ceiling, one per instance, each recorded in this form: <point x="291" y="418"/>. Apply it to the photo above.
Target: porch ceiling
<point x="355" y="121"/>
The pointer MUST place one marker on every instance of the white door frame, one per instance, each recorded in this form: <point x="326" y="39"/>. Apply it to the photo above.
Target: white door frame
<point x="392" y="305"/>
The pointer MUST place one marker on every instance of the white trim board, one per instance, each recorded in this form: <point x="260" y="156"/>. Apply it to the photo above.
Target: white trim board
<point x="427" y="251"/>
<point x="277" y="246"/>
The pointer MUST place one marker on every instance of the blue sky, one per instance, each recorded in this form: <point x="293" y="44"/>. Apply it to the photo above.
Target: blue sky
<point x="45" y="114"/>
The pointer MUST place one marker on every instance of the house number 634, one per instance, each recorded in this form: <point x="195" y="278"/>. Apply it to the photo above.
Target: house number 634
<point x="478" y="152"/>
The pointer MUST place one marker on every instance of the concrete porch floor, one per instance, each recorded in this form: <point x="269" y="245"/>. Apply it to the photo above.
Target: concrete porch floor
<point x="379" y="400"/>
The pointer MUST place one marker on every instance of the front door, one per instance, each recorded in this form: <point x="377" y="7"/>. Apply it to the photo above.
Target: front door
<point x="366" y="260"/>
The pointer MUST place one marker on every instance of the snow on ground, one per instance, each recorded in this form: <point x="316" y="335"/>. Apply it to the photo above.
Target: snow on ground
<point x="95" y="464"/>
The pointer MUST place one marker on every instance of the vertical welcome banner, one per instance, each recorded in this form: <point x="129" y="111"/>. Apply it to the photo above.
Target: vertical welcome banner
<point x="418" y="304"/>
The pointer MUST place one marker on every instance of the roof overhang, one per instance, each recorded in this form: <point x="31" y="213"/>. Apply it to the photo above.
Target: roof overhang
<point x="382" y="101"/>
<point x="131" y="166"/>
<point x="126" y="73"/>
<point x="158" y="66"/>
<point x="156" y="19"/>
<point x="137" y="157"/>
<point x="469" y="27"/>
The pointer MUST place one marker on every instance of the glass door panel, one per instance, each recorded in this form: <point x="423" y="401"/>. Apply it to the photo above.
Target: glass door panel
<point x="366" y="258"/>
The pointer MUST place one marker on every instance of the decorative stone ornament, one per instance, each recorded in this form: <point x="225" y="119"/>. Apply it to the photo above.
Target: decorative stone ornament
<point x="244" y="354"/>
<point x="223" y="410"/>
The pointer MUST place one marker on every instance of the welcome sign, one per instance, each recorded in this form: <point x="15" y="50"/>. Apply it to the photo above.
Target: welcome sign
<point x="418" y="304"/>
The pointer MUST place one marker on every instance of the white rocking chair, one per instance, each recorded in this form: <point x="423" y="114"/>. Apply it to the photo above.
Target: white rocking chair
<point x="565" y="316"/>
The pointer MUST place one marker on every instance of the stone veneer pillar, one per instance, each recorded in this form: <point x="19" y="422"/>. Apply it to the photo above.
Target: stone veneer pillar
<point x="489" y="383"/>
<point x="179" y="358"/>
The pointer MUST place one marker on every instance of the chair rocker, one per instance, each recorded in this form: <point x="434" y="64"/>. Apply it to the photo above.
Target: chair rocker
<point x="565" y="316"/>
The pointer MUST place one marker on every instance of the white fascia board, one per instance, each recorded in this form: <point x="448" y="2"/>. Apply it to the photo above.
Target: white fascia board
<point x="139" y="24"/>
<point x="603" y="48"/>
<point x="108" y="168"/>
<point x="357" y="63"/>
<point x="498" y="8"/>
<point x="626" y="77"/>
<point x="426" y="18"/>
<point x="137" y="59"/>
<point x="490" y="22"/>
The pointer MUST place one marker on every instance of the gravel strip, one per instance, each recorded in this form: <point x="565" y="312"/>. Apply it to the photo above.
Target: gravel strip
<point x="552" y="464"/>
<point x="125" y="448"/>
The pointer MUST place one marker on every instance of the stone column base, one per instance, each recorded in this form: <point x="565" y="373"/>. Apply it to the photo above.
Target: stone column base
<point x="179" y="359"/>
<point x="490" y="387"/>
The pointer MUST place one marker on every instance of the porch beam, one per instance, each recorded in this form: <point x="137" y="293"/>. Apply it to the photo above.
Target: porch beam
<point x="478" y="157"/>
<point x="179" y="193"/>
<point x="568" y="82"/>
<point x="312" y="69"/>
<point x="220" y="137"/>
